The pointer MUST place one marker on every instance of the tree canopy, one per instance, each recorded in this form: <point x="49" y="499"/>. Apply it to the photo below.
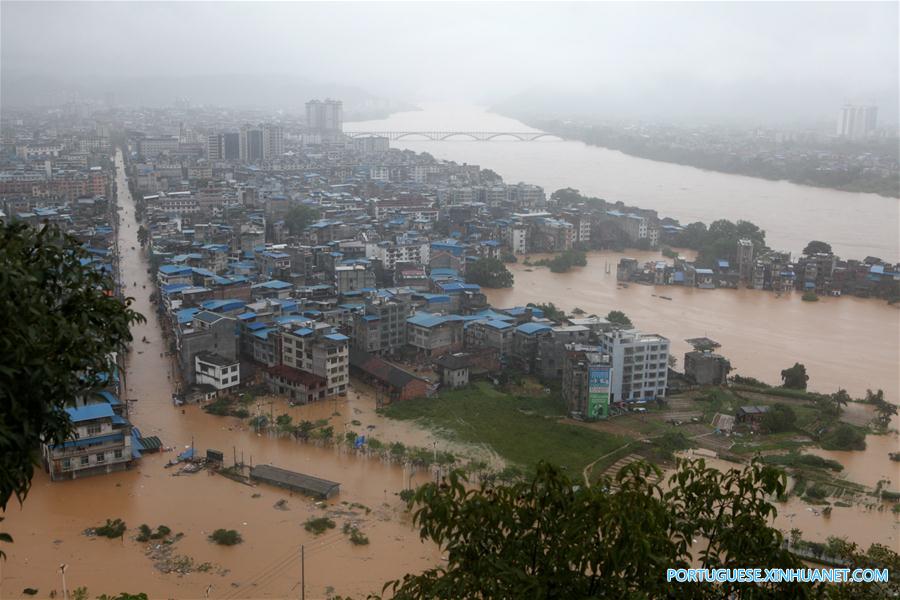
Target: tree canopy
<point x="795" y="377"/>
<point x="490" y="273"/>
<point x="719" y="240"/>
<point x="551" y="537"/>
<point x="617" y="317"/>
<point x="299" y="218"/>
<point x="780" y="417"/>
<point x="817" y="247"/>
<point x="60" y="324"/>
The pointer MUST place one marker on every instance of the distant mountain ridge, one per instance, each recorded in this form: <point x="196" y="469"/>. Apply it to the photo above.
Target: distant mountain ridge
<point x="237" y="90"/>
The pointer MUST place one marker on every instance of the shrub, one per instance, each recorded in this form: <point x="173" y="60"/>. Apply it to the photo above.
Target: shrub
<point x="112" y="529"/>
<point x="226" y="537"/>
<point x="809" y="297"/>
<point x="844" y="437"/>
<point x="318" y="526"/>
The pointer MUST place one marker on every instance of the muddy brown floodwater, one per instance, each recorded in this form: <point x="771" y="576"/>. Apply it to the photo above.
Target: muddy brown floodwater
<point x="48" y="528"/>
<point x="844" y="342"/>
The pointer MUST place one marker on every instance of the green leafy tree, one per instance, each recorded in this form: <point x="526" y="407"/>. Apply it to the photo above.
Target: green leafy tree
<point x="566" y="196"/>
<point x="60" y="324"/>
<point x="778" y="418"/>
<point x="143" y="235"/>
<point x="844" y="437"/>
<point x="617" y="317"/>
<point x="489" y="273"/>
<point x="817" y="247"/>
<point x="795" y="377"/>
<point x="551" y="537"/>
<point x="550" y="310"/>
<point x="841" y="399"/>
<point x="299" y="218"/>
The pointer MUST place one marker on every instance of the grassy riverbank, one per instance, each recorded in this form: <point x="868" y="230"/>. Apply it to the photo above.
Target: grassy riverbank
<point x="521" y="429"/>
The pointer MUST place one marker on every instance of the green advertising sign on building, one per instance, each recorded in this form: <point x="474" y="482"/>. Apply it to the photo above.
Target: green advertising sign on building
<point x="598" y="393"/>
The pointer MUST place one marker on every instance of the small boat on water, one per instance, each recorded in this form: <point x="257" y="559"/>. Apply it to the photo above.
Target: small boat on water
<point x="665" y="297"/>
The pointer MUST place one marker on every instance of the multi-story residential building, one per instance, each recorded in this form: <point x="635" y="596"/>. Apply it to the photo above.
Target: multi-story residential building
<point x="390" y="253"/>
<point x="325" y="117"/>
<point x="745" y="260"/>
<point x="640" y="365"/>
<point x="215" y="146"/>
<point x="150" y="147"/>
<point x="207" y="332"/>
<point x="102" y="444"/>
<point x="250" y="142"/>
<point x="320" y="351"/>
<point x="353" y="277"/>
<point x="551" y="349"/>
<point x="491" y="333"/>
<point x="432" y="335"/>
<point x="586" y="382"/>
<point x="272" y="141"/>
<point x="216" y="370"/>
<point x="381" y="327"/>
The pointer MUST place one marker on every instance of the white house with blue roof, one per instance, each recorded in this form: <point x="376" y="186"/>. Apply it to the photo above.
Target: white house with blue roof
<point x="102" y="444"/>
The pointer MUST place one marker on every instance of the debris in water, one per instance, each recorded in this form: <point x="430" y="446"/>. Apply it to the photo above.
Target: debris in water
<point x="281" y="505"/>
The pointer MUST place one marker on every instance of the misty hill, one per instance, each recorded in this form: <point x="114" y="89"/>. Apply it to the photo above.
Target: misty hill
<point x="286" y="92"/>
<point x="693" y="102"/>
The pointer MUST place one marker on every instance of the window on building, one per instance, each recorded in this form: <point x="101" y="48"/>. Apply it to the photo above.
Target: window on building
<point x="85" y="460"/>
<point x="117" y="454"/>
<point x="66" y="464"/>
<point x="101" y="457"/>
<point x="94" y="429"/>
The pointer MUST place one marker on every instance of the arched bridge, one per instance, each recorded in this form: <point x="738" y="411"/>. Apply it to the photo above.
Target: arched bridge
<point x="440" y="136"/>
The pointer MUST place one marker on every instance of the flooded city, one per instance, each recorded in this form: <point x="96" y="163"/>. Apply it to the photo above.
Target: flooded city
<point x="437" y="301"/>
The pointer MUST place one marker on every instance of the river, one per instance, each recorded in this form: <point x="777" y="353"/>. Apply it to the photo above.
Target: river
<point x="855" y="224"/>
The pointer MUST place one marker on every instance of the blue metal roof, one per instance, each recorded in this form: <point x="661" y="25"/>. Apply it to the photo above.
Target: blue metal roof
<point x="109" y="397"/>
<point x="303" y="331"/>
<point x="274" y="284"/>
<point x="89" y="412"/>
<point x="186" y="315"/>
<point x="336" y="337"/>
<point x="91" y="441"/>
<point x="532" y="328"/>
<point x="425" y="319"/>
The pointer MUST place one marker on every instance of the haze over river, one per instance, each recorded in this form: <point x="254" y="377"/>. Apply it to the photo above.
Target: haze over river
<point x="855" y="224"/>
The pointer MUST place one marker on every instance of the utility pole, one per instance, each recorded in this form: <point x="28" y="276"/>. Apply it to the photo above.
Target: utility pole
<point x="62" y="571"/>
<point x="302" y="574"/>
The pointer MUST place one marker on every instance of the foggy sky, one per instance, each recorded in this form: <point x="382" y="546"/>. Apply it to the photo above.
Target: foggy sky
<point x="795" y="57"/>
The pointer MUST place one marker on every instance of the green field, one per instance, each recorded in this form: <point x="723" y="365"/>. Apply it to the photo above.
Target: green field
<point x="522" y="430"/>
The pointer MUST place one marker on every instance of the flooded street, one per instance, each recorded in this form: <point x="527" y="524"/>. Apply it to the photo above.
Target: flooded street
<point x="48" y="529"/>
<point x="844" y="342"/>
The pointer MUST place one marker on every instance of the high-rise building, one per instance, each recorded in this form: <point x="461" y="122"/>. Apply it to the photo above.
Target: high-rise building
<point x="272" y="141"/>
<point x="325" y="117"/>
<point x="215" y="146"/>
<point x="231" y="146"/>
<point x="251" y="143"/>
<point x="857" y="122"/>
